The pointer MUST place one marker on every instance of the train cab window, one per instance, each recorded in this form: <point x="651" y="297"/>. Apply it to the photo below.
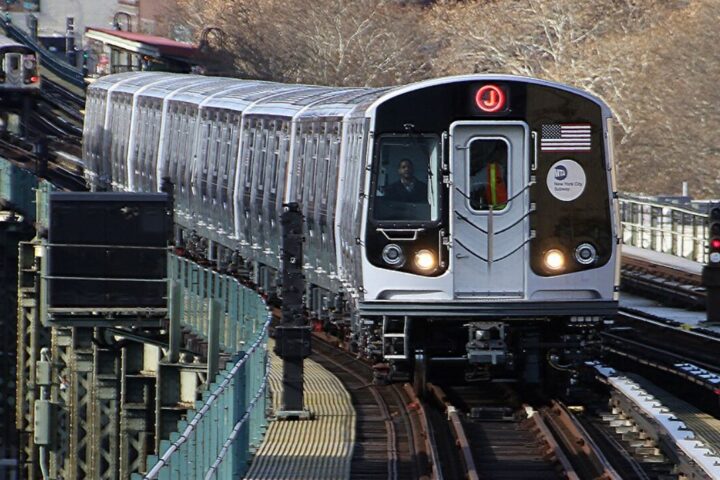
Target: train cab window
<point x="488" y="167"/>
<point x="407" y="182"/>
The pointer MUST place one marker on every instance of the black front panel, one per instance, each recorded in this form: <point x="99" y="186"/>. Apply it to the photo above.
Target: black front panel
<point x="564" y="218"/>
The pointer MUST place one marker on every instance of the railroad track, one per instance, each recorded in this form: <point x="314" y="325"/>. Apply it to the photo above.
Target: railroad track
<point x="687" y="354"/>
<point x="662" y="282"/>
<point x="390" y="432"/>
<point x="500" y="438"/>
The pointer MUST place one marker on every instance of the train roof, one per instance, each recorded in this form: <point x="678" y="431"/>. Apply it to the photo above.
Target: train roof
<point x="132" y="83"/>
<point x="167" y="86"/>
<point x="260" y="97"/>
<point x="341" y="103"/>
<point x="8" y="44"/>
<point x="400" y="90"/>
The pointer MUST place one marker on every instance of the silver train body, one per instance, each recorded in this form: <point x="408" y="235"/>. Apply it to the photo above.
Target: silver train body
<point x="19" y="69"/>
<point x="441" y="263"/>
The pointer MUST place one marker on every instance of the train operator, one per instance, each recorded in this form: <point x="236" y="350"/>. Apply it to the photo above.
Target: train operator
<point x="407" y="188"/>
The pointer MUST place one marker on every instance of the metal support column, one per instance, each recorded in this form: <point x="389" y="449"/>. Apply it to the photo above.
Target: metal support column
<point x="137" y="419"/>
<point x="32" y="337"/>
<point x="10" y="234"/>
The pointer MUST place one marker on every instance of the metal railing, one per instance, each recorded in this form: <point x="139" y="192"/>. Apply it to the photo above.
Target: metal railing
<point x="664" y="227"/>
<point x="215" y="439"/>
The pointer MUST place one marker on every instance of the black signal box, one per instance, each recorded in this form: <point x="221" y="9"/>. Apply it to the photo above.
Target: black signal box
<point x="108" y="250"/>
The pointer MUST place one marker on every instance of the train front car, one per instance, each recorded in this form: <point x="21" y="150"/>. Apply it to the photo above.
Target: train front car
<point x="489" y="237"/>
<point x="19" y="72"/>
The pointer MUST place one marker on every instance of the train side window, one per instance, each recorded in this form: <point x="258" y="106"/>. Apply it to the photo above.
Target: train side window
<point x="488" y="172"/>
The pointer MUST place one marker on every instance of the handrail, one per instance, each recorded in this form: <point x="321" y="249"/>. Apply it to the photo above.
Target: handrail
<point x="664" y="227"/>
<point x="235" y="320"/>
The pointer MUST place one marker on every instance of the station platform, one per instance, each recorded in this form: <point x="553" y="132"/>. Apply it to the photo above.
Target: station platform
<point x="640" y="304"/>
<point x="663" y="259"/>
<point x="637" y="303"/>
<point x="319" y="448"/>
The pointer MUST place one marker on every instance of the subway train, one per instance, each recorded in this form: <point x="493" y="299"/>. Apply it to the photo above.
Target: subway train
<point x="20" y="69"/>
<point x="467" y="221"/>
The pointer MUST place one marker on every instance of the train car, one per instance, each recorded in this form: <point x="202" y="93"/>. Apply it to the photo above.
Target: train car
<point x="19" y="72"/>
<point x="466" y="220"/>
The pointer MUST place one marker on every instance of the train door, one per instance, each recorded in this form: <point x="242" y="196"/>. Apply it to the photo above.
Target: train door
<point x="490" y="204"/>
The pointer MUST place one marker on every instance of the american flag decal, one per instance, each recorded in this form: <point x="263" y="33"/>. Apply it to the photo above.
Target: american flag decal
<point x="568" y="137"/>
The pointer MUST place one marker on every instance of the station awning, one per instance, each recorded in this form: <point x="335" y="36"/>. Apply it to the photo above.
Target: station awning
<point x="143" y="44"/>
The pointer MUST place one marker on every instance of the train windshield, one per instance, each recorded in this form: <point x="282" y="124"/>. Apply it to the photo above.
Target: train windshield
<point x="407" y="181"/>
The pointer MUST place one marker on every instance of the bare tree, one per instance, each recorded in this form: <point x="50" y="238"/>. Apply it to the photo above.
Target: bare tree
<point x="332" y="42"/>
<point x="654" y="61"/>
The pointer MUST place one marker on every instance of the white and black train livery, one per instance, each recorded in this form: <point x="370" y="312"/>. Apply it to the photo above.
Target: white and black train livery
<point x="467" y="219"/>
<point x="19" y="74"/>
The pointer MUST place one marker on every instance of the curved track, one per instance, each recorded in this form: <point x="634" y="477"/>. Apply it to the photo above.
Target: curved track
<point x="389" y="433"/>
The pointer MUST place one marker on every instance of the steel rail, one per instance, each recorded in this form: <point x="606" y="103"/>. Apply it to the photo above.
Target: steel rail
<point x="392" y="447"/>
<point x="578" y="443"/>
<point x="458" y="432"/>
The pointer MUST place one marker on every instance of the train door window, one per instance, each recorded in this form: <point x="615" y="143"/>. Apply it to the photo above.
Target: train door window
<point x="14" y="62"/>
<point x="140" y="145"/>
<point x="220" y="179"/>
<point x="232" y="156"/>
<point x="215" y="164"/>
<point x="278" y="147"/>
<point x="327" y="158"/>
<point x="312" y="168"/>
<point x="174" y="162"/>
<point x="263" y="155"/>
<point x="300" y="168"/>
<point x="207" y="156"/>
<point x="249" y="156"/>
<point x="488" y="174"/>
<point x="184" y="145"/>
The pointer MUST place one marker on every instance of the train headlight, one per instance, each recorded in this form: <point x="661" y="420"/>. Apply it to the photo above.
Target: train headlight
<point x="393" y="255"/>
<point x="425" y="260"/>
<point x="585" y="254"/>
<point x="554" y="259"/>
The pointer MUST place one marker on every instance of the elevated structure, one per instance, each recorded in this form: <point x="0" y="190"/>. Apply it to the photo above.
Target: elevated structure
<point x="111" y="397"/>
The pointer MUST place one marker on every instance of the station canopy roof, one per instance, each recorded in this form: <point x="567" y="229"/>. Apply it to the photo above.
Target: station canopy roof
<point x="143" y="44"/>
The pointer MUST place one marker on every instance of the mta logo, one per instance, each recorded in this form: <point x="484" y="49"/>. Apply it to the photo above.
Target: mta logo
<point x="560" y="173"/>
